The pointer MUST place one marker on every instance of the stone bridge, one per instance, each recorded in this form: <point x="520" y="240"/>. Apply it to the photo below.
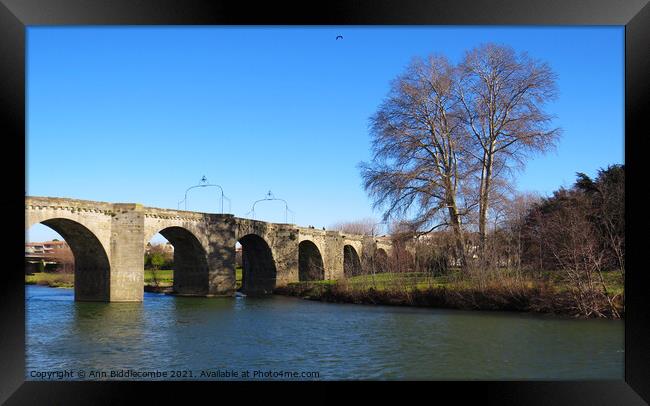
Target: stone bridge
<point x="108" y="242"/>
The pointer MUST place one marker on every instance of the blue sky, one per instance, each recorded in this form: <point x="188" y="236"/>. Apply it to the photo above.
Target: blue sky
<point x="139" y="114"/>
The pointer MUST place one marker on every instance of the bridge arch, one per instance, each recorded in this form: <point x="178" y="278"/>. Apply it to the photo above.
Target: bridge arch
<point x="259" y="270"/>
<point x="380" y="260"/>
<point x="351" y="261"/>
<point x="310" y="262"/>
<point x="91" y="262"/>
<point x="191" y="271"/>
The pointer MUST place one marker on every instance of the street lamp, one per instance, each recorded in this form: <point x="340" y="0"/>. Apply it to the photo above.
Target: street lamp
<point x="269" y="196"/>
<point x="204" y="183"/>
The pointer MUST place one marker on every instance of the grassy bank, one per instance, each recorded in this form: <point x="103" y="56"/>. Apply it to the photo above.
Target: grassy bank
<point x="547" y="295"/>
<point x="164" y="278"/>
<point x="52" y="279"/>
<point x="66" y="280"/>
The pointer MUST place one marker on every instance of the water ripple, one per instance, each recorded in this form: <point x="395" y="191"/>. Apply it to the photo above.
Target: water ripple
<point x="340" y="341"/>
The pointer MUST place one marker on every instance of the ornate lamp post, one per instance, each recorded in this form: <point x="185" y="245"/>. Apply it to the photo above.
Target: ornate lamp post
<point x="269" y="196"/>
<point x="204" y="183"/>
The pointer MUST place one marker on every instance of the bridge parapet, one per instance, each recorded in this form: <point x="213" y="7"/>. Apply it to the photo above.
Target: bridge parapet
<point x="154" y="212"/>
<point x="108" y="242"/>
<point x="72" y="205"/>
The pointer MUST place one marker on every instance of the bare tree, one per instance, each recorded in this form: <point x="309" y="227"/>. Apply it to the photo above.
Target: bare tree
<point x="365" y="226"/>
<point x="502" y="94"/>
<point x="518" y="208"/>
<point x="418" y="166"/>
<point x="504" y="240"/>
<point x="575" y="243"/>
<point x="64" y="258"/>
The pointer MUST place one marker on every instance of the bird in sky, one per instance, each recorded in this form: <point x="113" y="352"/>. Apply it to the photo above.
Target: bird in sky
<point x="339" y="37"/>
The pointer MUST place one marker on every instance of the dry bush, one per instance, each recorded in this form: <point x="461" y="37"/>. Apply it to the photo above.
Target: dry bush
<point x="64" y="259"/>
<point x="574" y="243"/>
<point x="365" y="226"/>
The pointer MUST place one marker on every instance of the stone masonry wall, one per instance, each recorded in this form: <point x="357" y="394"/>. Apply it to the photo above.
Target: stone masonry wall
<point x="127" y="253"/>
<point x="108" y="241"/>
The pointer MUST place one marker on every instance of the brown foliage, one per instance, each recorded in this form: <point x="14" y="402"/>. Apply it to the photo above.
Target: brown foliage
<point x="561" y="233"/>
<point x="365" y="226"/>
<point x="64" y="258"/>
<point x="518" y="297"/>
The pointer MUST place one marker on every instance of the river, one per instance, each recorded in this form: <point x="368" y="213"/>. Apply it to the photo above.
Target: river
<point x="280" y="337"/>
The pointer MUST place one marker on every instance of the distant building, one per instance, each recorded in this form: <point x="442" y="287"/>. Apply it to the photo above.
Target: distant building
<point x="48" y="250"/>
<point x="53" y="254"/>
<point x="167" y="247"/>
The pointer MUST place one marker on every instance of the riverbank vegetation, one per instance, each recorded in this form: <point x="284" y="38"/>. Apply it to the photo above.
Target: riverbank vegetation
<point x="154" y="280"/>
<point x="446" y="143"/>
<point x="52" y="279"/>
<point x="543" y="295"/>
<point x="161" y="278"/>
<point x="561" y="254"/>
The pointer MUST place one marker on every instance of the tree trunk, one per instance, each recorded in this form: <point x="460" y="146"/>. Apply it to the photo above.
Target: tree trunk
<point x="458" y="236"/>
<point x="484" y="193"/>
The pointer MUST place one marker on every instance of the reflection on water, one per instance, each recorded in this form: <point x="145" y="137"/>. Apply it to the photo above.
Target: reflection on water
<point x="339" y="341"/>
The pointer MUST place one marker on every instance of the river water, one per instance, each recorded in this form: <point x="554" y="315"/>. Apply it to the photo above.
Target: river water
<point x="288" y="338"/>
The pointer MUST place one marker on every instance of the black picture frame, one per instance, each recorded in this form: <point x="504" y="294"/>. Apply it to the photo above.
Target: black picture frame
<point x="16" y="15"/>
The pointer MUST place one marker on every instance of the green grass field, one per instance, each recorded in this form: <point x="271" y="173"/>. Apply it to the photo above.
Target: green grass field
<point x="388" y="281"/>
<point x="55" y="280"/>
<point x="165" y="278"/>
<point x="380" y="281"/>
<point x="238" y="277"/>
<point x="421" y="281"/>
<point x="613" y="281"/>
